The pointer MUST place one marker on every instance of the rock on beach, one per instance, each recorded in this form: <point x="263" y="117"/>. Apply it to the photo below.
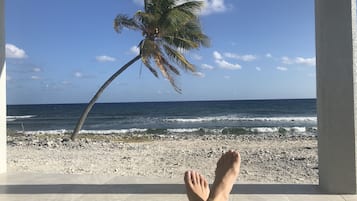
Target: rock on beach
<point x="266" y="158"/>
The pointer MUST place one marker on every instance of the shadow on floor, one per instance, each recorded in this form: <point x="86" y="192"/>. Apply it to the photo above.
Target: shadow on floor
<point x="152" y="189"/>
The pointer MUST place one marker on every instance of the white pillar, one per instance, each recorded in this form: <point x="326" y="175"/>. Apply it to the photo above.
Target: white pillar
<point x="336" y="94"/>
<point x="2" y="91"/>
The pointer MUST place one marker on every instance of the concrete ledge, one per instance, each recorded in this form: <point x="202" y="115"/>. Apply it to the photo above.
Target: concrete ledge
<point x="29" y="187"/>
<point x="153" y="188"/>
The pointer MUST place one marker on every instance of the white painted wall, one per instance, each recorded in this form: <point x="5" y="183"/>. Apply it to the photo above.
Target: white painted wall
<point x="2" y="91"/>
<point x="336" y="94"/>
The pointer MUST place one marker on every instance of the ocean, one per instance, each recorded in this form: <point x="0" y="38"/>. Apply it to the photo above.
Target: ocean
<point x="202" y="117"/>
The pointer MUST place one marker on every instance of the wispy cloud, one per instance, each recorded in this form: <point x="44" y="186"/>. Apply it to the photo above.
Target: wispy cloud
<point x="14" y="52"/>
<point x="281" y="68"/>
<point x="213" y="6"/>
<point x="287" y="60"/>
<point x="247" y="57"/>
<point x="105" y="58"/>
<point x="217" y="55"/>
<point x="199" y="74"/>
<point x="197" y="57"/>
<point x="209" y="6"/>
<point x="226" y="65"/>
<point x="306" y="61"/>
<point x="268" y="55"/>
<point x="36" y="69"/>
<point x="299" y="60"/>
<point x="35" y="77"/>
<point x="258" y="69"/>
<point x="223" y="63"/>
<point x="78" y="74"/>
<point x="207" y="67"/>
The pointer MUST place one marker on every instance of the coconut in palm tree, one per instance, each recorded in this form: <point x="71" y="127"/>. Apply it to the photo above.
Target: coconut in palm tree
<point x="168" y="28"/>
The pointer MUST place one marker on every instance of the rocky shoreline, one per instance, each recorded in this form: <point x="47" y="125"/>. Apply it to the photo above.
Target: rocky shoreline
<point x="266" y="158"/>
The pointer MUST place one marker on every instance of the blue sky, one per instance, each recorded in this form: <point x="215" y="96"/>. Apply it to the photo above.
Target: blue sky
<point x="62" y="51"/>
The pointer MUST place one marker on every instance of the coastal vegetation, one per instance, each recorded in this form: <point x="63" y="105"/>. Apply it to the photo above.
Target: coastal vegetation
<point x="169" y="28"/>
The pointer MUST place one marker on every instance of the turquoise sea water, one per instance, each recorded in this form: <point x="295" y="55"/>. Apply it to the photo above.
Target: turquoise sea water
<point x="213" y="117"/>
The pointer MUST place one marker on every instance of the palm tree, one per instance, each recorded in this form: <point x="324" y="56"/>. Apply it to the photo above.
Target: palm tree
<point x="168" y="28"/>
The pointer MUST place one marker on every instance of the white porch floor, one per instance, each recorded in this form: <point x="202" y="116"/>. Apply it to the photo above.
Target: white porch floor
<point x="37" y="187"/>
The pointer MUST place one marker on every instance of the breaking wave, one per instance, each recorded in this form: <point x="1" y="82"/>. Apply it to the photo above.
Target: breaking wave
<point x="201" y="131"/>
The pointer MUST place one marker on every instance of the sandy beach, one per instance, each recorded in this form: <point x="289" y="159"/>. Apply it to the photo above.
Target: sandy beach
<point x="266" y="158"/>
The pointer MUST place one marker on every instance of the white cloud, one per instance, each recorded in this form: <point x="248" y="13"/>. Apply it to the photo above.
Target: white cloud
<point x="105" y="58"/>
<point x="299" y="60"/>
<point x="213" y="6"/>
<point x="226" y="65"/>
<point x="287" y="60"/>
<point x="34" y="77"/>
<point x="199" y="74"/>
<point x="223" y="63"/>
<point x="258" y="68"/>
<point x="306" y="61"/>
<point x="209" y="6"/>
<point x="36" y="69"/>
<point x="268" y="55"/>
<point x="14" y="52"/>
<point x="281" y="68"/>
<point x="247" y="57"/>
<point x="78" y="74"/>
<point x="207" y="67"/>
<point x="227" y="77"/>
<point x="135" y="50"/>
<point x="197" y="57"/>
<point x="217" y="55"/>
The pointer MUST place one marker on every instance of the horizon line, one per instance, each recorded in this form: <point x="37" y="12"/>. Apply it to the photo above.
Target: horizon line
<point x="167" y="101"/>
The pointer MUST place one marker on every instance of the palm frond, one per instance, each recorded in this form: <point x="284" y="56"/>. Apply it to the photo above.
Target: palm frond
<point x="146" y="62"/>
<point x="168" y="26"/>
<point x="169" y="66"/>
<point x="148" y="48"/>
<point x="160" y="62"/>
<point x="192" y="31"/>
<point x="177" y="57"/>
<point x="179" y="15"/>
<point x="179" y="42"/>
<point x="122" y="21"/>
<point x="146" y="57"/>
<point x="190" y="7"/>
<point x="161" y="66"/>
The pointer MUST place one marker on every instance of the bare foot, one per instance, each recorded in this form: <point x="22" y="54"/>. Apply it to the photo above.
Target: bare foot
<point x="227" y="172"/>
<point x="196" y="186"/>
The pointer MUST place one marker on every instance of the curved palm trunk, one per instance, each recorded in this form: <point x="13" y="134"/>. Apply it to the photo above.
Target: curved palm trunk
<point x="96" y="96"/>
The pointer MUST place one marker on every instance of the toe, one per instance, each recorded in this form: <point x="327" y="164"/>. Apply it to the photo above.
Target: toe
<point x="194" y="177"/>
<point x="188" y="178"/>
